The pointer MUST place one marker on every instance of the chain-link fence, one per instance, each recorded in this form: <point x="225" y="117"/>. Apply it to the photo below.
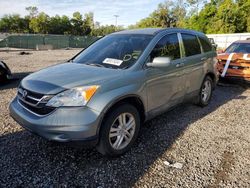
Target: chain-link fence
<point x="55" y="41"/>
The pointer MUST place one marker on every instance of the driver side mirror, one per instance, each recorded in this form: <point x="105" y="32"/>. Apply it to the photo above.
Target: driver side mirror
<point x="160" y="62"/>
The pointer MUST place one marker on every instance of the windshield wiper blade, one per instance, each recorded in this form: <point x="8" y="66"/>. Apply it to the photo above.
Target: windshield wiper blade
<point x="100" y="65"/>
<point x="94" y="64"/>
<point x="125" y="68"/>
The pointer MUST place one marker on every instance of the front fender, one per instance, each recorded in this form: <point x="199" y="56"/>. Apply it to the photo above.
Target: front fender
<point x="103" y="101"/>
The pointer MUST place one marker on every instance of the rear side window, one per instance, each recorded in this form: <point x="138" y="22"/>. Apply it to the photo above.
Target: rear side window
<point x="168" y="46"/>
<point x="191" y="44"/>
<point x="206" y="46"/>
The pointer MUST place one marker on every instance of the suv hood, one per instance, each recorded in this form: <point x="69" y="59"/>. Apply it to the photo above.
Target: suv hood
<point x="58" y="78"/>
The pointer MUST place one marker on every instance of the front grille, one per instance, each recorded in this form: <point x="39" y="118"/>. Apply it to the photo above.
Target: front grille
<point x="236" y="67"/>
<point x="34" y="102"/>
<point x="39" y="111"/>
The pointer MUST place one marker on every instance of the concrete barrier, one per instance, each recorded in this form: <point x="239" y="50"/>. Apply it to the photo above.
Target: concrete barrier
<point x="224" y="40"/>
<point x="44" y="47"/>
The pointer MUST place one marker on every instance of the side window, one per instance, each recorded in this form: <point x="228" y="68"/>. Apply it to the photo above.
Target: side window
<point x="206" y="46"/>
<point x="168" y="46"/>
<point x="191" y="44"/>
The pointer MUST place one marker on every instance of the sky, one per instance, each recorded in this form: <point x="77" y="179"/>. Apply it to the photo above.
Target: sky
<point x="129" y="11"/>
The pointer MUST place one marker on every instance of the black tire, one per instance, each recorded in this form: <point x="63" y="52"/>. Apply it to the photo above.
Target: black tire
<point x="201" y="99"/>
<point x="105" y="146"/>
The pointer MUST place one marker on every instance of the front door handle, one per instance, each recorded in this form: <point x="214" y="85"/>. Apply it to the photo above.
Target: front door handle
<point x="178" y="65"/>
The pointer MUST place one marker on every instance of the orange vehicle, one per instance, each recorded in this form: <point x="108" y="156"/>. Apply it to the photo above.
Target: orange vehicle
<point x="235" y="61"/>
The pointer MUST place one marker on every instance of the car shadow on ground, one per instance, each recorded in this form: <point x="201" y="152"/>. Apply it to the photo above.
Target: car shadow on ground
<point x="14" y="81"/>
<point x="31" y="160"/>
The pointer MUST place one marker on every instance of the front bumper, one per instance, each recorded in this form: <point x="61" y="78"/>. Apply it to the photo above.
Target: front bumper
<point x="65" y="124"/>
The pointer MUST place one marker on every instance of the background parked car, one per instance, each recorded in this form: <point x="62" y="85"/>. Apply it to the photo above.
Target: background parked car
<point x="238" y="62"/>
<point x="5" y="72"/>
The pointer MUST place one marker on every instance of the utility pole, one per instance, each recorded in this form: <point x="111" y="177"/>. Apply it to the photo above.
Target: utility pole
<point x="116" y="16"/>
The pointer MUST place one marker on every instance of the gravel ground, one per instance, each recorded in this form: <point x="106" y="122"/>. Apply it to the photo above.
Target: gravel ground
<point x="212" y="143"/>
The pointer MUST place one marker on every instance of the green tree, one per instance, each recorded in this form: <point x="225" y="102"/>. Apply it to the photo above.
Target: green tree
<point x="88" y="23"/>
<point x="219" y="16"/>
<point x="105" y="30"/>
<point x="201" y="22"/>
<point x="40" y="24"/>
<point x="55" y="25"/>
<point x="66" y="24"/>
<point x="243" y="16"/>
<point x="77" y="23"/>
<point x="179" y="12"/>
<point x="194" y="5"/>
<point x="161" y="17"/>
<point x="225" y="19"/>
<point x="14" y="24"/>
<point x="33" y="11"/>
<point x="168" y="14"/>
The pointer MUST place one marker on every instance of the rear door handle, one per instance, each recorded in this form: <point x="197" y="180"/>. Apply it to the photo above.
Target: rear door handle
<point x="179" y="65"/>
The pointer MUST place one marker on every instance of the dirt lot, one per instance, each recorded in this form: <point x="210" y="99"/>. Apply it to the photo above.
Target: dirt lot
<point x="212" y="143"/>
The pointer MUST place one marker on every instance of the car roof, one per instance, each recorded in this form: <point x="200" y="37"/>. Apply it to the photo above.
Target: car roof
<point x="242" y="41"/>
<point x="146" y="31"/>
<point x="155" y="31"/>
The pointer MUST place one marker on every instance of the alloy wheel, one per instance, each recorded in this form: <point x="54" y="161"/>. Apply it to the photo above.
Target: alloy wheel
<point x="206" y="91"/>
<point x="122" y="131"/>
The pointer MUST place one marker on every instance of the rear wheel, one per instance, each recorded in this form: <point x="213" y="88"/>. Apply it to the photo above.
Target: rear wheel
<point x="119" y="130"/>
<point x="205" y="92"/>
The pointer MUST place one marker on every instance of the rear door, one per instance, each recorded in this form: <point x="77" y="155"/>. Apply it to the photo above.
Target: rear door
<point x="165" y="86"/>
<point x="194" y="61"/>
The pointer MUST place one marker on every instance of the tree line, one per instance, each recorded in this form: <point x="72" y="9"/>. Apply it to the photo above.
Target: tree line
<point x="215" y="16"/>
<point x="40" y="22"/>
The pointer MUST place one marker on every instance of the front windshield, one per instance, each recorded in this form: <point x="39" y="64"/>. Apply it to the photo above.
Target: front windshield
<point x="114" y="51"/>
<point x="238" y="48"/>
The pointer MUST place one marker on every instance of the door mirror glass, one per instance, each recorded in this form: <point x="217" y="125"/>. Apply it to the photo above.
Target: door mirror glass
<point x="159" y="62"/>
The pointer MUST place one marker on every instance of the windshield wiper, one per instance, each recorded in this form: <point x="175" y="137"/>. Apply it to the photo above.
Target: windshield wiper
<point x="124" y="68"/>
<point x="94" y="64"/>
<point x="100" y="65"/>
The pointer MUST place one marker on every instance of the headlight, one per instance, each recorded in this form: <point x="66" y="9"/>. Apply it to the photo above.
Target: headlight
<point x="78" y="96"/>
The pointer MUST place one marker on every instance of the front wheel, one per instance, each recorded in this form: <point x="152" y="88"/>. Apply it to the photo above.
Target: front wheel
<point x="205" y="93"/>
<point x="119" y="130"/>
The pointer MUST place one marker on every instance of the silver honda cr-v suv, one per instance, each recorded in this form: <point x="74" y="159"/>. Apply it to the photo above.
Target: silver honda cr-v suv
<point x="104" y="94"/>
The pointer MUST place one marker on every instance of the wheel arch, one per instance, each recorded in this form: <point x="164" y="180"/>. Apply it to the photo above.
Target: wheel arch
<point x="213" y="77"/>
<point x="132" y="99"/>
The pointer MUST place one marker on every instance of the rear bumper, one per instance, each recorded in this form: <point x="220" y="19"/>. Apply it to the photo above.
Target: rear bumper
<point x="79" y="124"/>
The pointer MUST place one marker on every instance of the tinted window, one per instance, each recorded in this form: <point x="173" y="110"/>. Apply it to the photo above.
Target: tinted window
<point x="168" y="46"/>
<point x="205" y="45"/>
<point x="191" y="44"/>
